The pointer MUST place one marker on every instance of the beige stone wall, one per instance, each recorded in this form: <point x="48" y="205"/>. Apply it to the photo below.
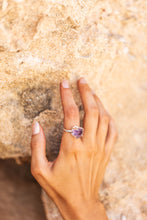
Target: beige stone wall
<point x="42" y="42"/>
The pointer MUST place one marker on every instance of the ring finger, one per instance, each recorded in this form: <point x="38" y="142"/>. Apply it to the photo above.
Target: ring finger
<point x="91" y="111"/>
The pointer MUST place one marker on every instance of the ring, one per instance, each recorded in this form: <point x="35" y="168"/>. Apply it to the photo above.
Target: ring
<point x="76" y="131"/>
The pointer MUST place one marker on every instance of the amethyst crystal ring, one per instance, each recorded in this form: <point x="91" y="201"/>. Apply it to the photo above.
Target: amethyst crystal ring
<point x="76" y="131"/>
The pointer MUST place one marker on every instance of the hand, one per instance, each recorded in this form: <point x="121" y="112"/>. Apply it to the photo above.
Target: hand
<point x="73" y="179"/>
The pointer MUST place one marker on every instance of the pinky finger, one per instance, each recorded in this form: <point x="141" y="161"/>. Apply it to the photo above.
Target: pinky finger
<point x="111" y="137"/>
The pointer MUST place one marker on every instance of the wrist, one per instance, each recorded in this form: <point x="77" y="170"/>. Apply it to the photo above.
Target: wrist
<point x="86" y="210"/>
<point x="91" y="211"/>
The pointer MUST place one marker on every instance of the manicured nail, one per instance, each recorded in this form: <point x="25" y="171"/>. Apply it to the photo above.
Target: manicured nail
<point x="92" y="92"/>
<point x="82" y="80"/>
<point x="35" y="128"/>
<point x="65" y="84"/>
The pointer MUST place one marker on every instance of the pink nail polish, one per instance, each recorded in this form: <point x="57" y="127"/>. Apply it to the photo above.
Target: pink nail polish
<point x="65" y="84"/>
<point x="82" y="80"/>
<point x="35" y="128"/>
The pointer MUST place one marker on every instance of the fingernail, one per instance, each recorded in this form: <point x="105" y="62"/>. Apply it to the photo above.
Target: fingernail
<point x="92" y="92"/>
<point x="35" y="128"/>
<point x="65" y="84"/>
<point x="82" y="80"/>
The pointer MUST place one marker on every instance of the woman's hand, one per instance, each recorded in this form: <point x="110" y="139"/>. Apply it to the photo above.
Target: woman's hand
<point x="73" y="179"/>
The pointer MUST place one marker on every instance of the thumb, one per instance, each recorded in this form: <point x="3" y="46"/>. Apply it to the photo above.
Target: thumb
<point x="39" y="162"/>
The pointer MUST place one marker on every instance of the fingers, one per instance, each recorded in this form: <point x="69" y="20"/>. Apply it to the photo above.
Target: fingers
<point x="97" y="121"/>
<point x="70" y="109"/>
<point x="103" y="124"/>
<point x="71" y="113"/>
<point x="39" y="162"/>
<point x="111" y="137"/>
<point x="91" y="110"/>
<point x="106" y="133"/>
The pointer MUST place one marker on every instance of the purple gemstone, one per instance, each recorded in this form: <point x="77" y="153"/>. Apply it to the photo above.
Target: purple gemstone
<point x="77" y="131"/>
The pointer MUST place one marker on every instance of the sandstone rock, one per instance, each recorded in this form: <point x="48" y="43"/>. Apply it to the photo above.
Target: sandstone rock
<point x="105" y="41"/>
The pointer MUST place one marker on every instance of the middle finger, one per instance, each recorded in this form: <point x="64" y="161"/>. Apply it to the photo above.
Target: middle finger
<point x="91" y="111"/>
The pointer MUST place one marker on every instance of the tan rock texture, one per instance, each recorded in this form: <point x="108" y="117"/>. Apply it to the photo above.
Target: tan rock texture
<point x="42" y="42"/>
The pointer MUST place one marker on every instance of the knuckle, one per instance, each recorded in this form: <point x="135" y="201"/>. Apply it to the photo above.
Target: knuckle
<point x="113" y="129"/>
<point x="93" y="111"/>
<point x="92" y="148"/>
<point x="75" y="151"/>
<point x="115" y="134"/>
<point x="72" y="112"/>
<point x="74" y="148"/>
<point x="105" y="118"/>
<point x="34" y="143"/>
<point x="87" y="152"/>
<point x="92" y="151"/>
<point x="36" y="171"/>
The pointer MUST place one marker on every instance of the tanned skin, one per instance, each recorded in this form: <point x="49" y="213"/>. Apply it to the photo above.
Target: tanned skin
<point x="73" y="179"/>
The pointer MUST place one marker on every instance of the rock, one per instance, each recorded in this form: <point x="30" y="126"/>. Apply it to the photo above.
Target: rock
<point x="105" y="41"/>
<point x="19" y="193"/>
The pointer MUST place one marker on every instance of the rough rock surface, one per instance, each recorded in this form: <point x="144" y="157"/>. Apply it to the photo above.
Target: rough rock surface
<point x="42" y="42"/>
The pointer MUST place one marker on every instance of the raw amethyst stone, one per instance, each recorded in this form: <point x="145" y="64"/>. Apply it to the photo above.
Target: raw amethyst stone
<point x="77" y="131"/>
